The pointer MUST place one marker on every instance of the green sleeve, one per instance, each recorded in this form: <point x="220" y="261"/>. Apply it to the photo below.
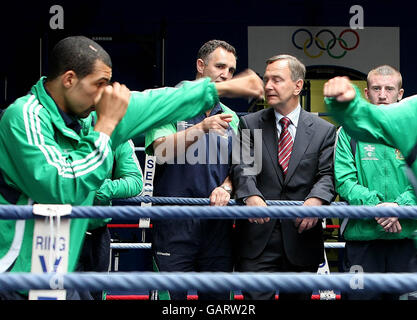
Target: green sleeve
<point x="47" y="172"/>
<point x="234" y="124"/>
<point x="126" y="182"/>
<point x="346" y="175"/>
<point x="154" y="108"/>
<point x="407" y="198"/>
<point x="156" y="133"/>
<point x="127" y="179"/>
<point x="392" y="125"/>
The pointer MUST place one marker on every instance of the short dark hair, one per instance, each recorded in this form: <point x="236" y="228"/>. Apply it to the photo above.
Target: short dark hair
<point x="385" y="70"/>
<point x="207" y="48"/>
<point x="77" y="53"/>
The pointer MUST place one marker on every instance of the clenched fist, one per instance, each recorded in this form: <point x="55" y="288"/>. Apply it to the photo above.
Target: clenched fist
<point x="339" y="88"/>
<point x="245" y="84"/>
<point x="111" y="107"/>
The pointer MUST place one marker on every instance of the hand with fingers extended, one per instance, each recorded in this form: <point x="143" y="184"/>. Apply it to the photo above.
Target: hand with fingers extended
<point x="303" y="224"/>
<point x="339" y="88"/>
<point x="245" y="84"/>
<point x="257" y="201"/>
<point x="111" y="106"/>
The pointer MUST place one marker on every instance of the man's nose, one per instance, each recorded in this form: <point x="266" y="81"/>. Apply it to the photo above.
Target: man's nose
<point x="382" y="95"/>
<point x="226" y="74"/>
<point x="98" y="95"/>
<point x="267" y="85"/>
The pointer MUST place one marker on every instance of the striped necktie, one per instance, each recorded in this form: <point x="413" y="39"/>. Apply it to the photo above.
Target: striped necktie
<point x="285" y="144"/>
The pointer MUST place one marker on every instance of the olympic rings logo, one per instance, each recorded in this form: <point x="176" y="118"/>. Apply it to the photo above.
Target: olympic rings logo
<point x="307" y="43"/>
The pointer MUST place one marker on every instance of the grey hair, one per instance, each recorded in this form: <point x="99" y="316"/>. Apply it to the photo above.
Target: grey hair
<point x="297" y="68"/>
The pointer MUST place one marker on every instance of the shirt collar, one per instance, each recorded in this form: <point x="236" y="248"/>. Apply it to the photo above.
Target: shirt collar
<point x="293" y="115"/>
<point x="216" y="109"/>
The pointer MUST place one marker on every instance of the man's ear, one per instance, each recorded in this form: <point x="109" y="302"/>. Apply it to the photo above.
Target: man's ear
<point x="68" y="79"/>
<point x="400" y="94"/>
<point x="298" y="86"/>
<point x="200" y="65"/>
<point x="366" y="91"/>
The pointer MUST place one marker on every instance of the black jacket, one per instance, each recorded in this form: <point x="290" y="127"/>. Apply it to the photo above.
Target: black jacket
<point x="310" y="174"/>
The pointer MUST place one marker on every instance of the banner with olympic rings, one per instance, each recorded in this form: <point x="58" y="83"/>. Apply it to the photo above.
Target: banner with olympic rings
<point x="360" y="50"/>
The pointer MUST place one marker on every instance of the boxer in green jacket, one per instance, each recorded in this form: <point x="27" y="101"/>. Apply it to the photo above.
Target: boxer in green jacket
<point x="373" y="174"/>
<point x="393" y="125"/>
<point x="42" y="160"/>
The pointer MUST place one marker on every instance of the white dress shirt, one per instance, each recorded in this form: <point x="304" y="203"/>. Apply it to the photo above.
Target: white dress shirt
<point x="293" y="116"/>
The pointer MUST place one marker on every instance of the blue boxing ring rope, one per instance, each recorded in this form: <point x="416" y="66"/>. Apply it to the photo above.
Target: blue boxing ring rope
<point x="210" y="212"/>
<point x="284" y="282"/>
<point x="210" y="282"/>
<point x="200" y="201"/>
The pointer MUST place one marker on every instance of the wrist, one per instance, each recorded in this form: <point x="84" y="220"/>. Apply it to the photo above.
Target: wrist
<point x="227" y="188"/>
<point x="254" y="200"/>
<point x="314" y="202"/>
<point x="106" y="127"/>
<point x="199" y="127"/>
<point x="193" y="133"/>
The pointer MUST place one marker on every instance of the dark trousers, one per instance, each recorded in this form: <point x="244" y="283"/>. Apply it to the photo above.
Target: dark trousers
<point x="379" y="256"/>
<point x="95" y="256"/>
<point x="187" y="263"/>
<point x="196" y="245"/>
<point x="273" y="259"/>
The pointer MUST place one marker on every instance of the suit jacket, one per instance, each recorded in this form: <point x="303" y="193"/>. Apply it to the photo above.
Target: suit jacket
<point x="310" y="174"/>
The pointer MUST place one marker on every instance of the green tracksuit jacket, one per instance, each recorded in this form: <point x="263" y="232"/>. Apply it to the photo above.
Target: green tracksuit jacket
<point x="394" y="125"/>
<point x="46" y="162"/>
<point x="374" y="175"/>
<point x="124" y="181"/>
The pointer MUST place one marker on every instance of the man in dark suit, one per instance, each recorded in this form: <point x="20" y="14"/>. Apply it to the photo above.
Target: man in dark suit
<point x="296" y="164"/>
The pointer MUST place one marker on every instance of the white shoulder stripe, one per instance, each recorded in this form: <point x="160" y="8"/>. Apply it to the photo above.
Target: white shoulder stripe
<point x="25" y="118"/>
<point x="134" y="156"/>
<point x="38" y="125"/>
<point x="91" y="160"/>
<point x="57" y="156"/>
<point x="52" y="155"/>
<point x="104" y="148"/>
<point x="7" y="260"/>
<point x="90" y="155"/>
<point x="32" y="122"/>
<point x="69" y="132"/>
